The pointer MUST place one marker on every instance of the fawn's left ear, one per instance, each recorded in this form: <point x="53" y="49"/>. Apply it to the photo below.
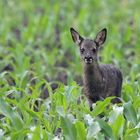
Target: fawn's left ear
<point x="101" y="37"/>
<point x="75" y="36"/>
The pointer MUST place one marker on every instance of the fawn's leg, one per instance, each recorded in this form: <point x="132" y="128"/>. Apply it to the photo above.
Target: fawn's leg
<point x="90" y="104"/>
<point x="93" y="100"/>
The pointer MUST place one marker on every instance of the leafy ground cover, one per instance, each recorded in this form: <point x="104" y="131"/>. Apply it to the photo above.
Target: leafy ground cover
<point x="41" y="71"/>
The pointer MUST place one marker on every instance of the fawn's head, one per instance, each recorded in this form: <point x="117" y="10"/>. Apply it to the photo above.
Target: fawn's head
<point x="89" y="47"/>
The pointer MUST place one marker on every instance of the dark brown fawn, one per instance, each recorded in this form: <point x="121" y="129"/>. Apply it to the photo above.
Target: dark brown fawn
<point x="100" y="81"/>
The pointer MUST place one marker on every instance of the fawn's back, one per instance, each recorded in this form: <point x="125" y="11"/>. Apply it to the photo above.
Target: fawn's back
<point x="112" y="80"/>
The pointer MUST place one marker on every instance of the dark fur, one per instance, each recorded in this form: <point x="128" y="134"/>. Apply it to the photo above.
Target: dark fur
<point x="100" y="81"/>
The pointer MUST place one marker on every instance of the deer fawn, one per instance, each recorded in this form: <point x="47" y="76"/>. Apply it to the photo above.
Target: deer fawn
<point x="100" y="81"/>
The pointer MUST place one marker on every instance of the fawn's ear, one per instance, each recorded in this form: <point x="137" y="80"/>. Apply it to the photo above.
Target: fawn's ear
<point x="76" y="37"/>
<point x="101" y="37"/>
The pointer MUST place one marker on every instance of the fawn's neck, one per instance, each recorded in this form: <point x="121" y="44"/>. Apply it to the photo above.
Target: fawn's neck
<point x="92" y="77"/>
<point x="92" y="71"/>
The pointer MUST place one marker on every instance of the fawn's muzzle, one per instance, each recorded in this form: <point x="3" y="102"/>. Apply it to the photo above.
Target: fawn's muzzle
<point x="88" y="60"/>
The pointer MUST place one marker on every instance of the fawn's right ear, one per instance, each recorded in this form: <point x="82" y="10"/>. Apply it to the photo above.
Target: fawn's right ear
<point x="76" y="37"/>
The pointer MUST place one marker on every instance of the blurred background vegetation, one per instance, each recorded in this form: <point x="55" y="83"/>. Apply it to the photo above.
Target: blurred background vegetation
<point x="36" y="46"/>
<point x="34" y="36"/>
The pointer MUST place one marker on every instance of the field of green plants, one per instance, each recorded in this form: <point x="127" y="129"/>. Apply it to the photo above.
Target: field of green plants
<point x="41" y="71"/>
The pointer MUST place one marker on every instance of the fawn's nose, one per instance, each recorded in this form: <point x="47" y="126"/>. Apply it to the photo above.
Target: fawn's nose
<point x="88" y="59"/>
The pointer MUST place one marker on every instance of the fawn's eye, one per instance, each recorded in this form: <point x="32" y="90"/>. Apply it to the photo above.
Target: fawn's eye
<point x="93" y="50"/>
<point x="82" y="50"/>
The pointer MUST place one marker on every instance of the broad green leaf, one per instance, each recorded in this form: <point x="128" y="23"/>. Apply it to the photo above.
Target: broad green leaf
<point x="101" y="106"/>
<point x="131" y="137"/>
<point x="59" y="100"/>
<point x="115" y="113"/>
<point x="14" y="117"/>
<point x="60" y="111"/>
<point x="130" y="113"/>
<point x="118" y="126"/>
<point x="100" y="136"/>
<point x="69" y="129"/>
<point x="137" y="103"/>
<point x="37" y="133"/>
<point x="106" y="129"/>
<point x="2" y="134"/>
<point x="81" y="130"/>
<point x="132" y="131"/>
<point x="93" y="130"/>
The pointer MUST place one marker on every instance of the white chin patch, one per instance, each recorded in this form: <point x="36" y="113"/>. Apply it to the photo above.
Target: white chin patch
<point x="88" y="61"/>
